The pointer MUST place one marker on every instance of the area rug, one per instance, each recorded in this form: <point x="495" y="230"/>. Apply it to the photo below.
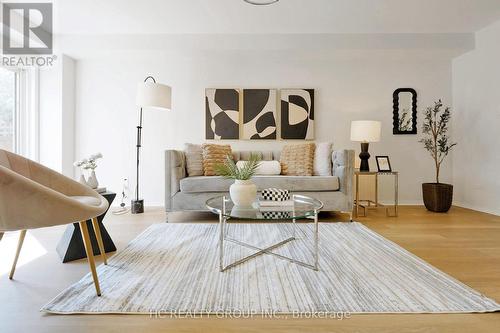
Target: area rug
<point x="173" y="268"/>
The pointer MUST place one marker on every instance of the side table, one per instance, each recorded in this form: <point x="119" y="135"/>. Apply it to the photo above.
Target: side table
<point x="71" y="247"/>
<point x="373" y="204"/>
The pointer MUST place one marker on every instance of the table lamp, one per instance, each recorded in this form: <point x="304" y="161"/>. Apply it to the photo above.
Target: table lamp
<point x="149" y="95"/>
<point x="365" y="131"/>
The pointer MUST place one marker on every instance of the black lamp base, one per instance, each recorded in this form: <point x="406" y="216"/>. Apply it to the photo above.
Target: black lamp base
<point x="364" y="156"/>
<point x="137" y="206"/>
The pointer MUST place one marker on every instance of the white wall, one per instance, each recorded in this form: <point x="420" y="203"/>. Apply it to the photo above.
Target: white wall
<point x="476" y="91"/>
<point x="68" y="115"/>
<point x="349" y="85"/>
<point x="50" y="117"/>
<point x="57" y="110"/>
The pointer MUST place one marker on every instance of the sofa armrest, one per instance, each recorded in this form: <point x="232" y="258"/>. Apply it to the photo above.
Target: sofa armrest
<point x="175" y="170"/>
<point x="343" y="167"/>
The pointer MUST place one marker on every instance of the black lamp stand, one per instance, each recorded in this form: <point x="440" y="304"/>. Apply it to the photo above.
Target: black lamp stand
<point x="364" y="156"/>
<point x="137" y="205"/>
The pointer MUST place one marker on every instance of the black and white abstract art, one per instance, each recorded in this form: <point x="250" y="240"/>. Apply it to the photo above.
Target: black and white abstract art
<point x="259" y="114"/>
<point x="297" y="114"/>
<point x="222" y="112"/>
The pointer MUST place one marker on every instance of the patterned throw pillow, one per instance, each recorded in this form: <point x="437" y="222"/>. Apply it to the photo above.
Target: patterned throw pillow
<point x="194" y="159"/>
<point x="214" y="154"/>
<point x="297" y="159"/>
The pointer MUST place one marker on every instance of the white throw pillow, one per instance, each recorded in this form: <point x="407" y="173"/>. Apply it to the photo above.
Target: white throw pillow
<point x="266" y="168"/>
<point x="323" y="159"/>
<point x="194" y="159"/>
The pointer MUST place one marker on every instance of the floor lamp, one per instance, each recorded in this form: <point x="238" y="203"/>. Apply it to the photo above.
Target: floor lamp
<point x="149" y="95"/>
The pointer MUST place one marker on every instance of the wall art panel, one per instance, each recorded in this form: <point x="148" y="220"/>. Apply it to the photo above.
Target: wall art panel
<point x="222" y="112"/>
<point x="259" y="114"/>
<point x="297" y="114"/>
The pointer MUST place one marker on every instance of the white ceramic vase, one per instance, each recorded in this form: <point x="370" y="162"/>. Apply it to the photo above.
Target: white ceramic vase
<point x="243" y="192"/>
<point x="83" y="180"/>
<point x="92" y="181"/>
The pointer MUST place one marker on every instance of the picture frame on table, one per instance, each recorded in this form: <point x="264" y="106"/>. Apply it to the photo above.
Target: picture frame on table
<point x="383" y="164"/>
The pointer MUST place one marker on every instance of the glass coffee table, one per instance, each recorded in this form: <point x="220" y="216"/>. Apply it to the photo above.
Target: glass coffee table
<point x="303" y="207"/>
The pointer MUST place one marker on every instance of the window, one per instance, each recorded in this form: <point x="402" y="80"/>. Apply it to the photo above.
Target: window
<point x="19" y="111"/>
<point x="8" y="83"/>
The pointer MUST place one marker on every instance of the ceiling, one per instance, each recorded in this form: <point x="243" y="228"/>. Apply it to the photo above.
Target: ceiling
<point x="95" y="17"/>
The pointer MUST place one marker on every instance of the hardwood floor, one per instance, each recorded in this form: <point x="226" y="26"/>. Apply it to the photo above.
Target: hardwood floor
<point x="462" y="243"/>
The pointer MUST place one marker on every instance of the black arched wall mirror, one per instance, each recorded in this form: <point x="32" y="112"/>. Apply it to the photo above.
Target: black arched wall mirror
<point x="404" y="119"/>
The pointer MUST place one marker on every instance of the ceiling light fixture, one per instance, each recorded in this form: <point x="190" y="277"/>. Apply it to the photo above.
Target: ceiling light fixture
<point x="261" y="2"/>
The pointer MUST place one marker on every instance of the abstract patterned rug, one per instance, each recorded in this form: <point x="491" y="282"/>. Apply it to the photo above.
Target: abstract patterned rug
<point x="173" y="268"/>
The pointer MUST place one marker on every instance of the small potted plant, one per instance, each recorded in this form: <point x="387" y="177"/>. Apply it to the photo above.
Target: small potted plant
<point x="437" y="196"/>
<point x="89" y="163"/>
<point x="243" y="192"/>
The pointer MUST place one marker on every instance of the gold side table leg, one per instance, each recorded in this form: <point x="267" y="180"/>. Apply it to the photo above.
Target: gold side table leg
<point x="396" y="196"/>
<point x="356" y="211"/>
<point x="364" y="210"/>
<point x="396" y="192"/>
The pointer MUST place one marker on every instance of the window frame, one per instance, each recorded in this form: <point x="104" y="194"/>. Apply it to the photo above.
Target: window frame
<point x="26" y="112"/>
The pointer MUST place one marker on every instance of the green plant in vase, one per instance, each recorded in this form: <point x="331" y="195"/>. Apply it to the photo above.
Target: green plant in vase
<point x="243" y="191"/>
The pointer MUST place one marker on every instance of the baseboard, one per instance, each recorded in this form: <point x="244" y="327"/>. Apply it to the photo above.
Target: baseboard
<point x="387" y="203"/>
<point x="477" y="208"/>
<point x="402" y="203"/>
<point x="148" y="204"/>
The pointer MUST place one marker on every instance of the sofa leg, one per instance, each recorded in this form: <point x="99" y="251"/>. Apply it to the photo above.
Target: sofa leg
<point x="350" y="214"/>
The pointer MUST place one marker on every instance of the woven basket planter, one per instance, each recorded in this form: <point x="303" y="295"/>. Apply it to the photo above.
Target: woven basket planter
<point x="437" y="196"/>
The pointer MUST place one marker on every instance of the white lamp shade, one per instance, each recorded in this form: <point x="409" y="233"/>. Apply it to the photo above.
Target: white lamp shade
<point x="365" y="130"/>
<point x="155" y="95"/>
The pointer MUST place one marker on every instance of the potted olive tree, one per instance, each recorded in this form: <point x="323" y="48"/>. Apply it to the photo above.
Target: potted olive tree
<point x="437" y="196"/>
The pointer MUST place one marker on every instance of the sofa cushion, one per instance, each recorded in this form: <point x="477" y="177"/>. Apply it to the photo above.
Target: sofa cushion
<point x="265" y="168"/>
<point x="263" y="155"/>
<point x="297" y="159"/>
<point x="214" y="154"/>
<point x="194" y="159"/>
<point x="323" y="159"/>
<point x="293" y="183"/>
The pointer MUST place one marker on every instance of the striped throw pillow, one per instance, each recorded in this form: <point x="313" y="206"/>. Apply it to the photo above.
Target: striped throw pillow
<point x="212" y="155"/>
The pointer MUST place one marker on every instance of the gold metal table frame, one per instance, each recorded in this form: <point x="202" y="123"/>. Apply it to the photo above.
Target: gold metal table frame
<point x="367" y="204"/>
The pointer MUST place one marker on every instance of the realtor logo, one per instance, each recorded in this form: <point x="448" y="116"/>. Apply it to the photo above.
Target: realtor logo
<point x="27" y="28"/>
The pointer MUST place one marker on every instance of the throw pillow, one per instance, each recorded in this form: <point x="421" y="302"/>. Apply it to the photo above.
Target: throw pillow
<point x="194" y="159"/>
<point x="297" y="159"/>
<point x="323" y="159"/>
<point x="212" y="155"/>
<point x="266" y="168"/>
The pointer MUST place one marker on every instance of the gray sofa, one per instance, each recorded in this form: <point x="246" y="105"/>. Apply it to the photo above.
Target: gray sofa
<point x="184" y="193"/>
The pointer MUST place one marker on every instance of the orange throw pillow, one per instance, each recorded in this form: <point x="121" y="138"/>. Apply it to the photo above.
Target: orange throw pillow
<point x="214" y="154"/>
